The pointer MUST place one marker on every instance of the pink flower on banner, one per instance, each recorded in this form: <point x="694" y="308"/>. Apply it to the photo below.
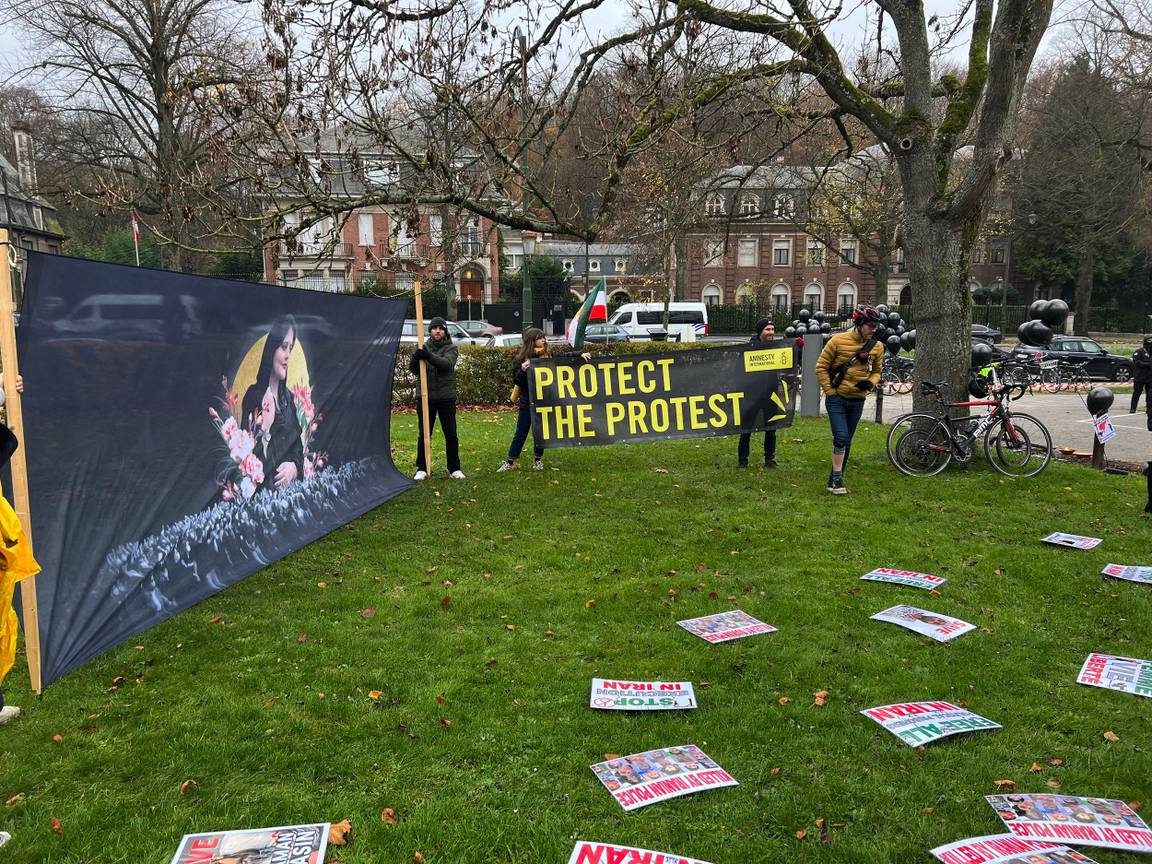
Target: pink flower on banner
<point x="309" y="468"/>
<point x="253" y="468"/>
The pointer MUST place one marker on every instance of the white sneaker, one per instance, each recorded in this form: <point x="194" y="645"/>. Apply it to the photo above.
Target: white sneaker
<point x="538" y="465"/>
<point x="420" y="475"/>
<point x="457" y="475"/>
<point x="8" y="712"/>
<point x="506" y="465"/>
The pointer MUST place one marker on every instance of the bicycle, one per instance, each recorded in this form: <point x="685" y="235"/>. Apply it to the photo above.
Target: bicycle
<point x="896" y="378"/>
<point x="1016" y="445"/>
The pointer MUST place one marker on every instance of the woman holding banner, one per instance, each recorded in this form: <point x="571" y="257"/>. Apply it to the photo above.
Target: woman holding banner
<point x="535" y="345"/>
<point x="848" y="370"/>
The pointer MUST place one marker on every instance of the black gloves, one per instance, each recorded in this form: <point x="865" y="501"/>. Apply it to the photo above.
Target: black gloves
<point x="421" y="353"/>
<point x="865" y="385"/>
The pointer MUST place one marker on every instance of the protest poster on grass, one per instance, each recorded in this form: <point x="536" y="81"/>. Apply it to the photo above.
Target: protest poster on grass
<point x="611" y="695"/>
<point x="1072" y="541"/>
<point x="1007" y="849"/>
<point x="919" y="723"/>
<point x="726" y="626"/>
<point x="609" y="853"/>
<point x="1103" y="822"/>
<point x="1126" y="674"/>
<point x="1129" y="572"/>
<point x="940" y="627"/>
<point x="291" y="844"/>
<point x="645" y="778"/>
<point x="905" y="577"/>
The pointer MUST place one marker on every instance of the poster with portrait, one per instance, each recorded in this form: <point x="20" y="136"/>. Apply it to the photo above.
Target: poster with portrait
<point x="646" y="778"/>
<point x="1104" y="822"/>
<point x="609" y="694"/>
<point x="183" y="432"/>
<point x="1007" y="849"/>
<point x="587" y="852"/>
<point x="1129" y="573"/>
<point x="1126" y="674"/>
<point x="725" y="626"/>
<point x="919" y="723"/>
<point x="904" y="577"/>
<point x="1072" y="541"/>
<point x="935" y="625"/>
<point x="290" y="844"/>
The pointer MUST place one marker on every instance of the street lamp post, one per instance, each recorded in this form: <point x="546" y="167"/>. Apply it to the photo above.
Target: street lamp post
<point x="529" y="243"/>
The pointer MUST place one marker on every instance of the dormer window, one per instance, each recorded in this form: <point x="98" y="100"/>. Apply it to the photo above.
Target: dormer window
<point x="714" y="205"/>
<point x="784" y="207"/>
<point x="749" y="205"/>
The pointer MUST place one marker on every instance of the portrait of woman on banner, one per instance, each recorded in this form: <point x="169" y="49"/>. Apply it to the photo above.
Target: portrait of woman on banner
<point x="268" y="410"/>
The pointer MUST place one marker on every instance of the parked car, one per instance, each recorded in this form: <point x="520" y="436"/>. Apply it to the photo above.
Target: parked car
<point x="1078" y="349"/>
<point x="459" y="334"/>
<point x="480" y="328"/>
<point x="687" y="322"/>
<point x="604" y="333"/>
<point x="506" y="340"/>
<point x="988" y="334"/>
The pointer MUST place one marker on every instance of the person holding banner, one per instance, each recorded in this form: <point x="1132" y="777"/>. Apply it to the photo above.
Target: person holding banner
<point x="441" y="356"/>
<point x="848" y="370"/>
<point x="765" y="332"/>
<point x="16" y="563"/>
<point x="535" y="345"/>
<point x="269" y="409"/>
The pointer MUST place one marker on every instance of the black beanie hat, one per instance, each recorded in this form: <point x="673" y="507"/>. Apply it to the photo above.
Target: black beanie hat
<point x="762" y="323"/>
<point x="437" y="322"/>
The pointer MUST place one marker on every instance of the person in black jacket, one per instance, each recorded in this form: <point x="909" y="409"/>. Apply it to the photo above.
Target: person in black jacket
<point x="1142" y="376"/>
<point x="268" y="409"/>
<point x="440" y="356"/>
<point x="765" y="332"/>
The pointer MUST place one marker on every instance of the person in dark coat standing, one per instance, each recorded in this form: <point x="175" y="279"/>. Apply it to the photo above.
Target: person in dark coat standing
<point x="765" y="332"/>
<point x="1142" y="376"/>
<point x="440" y="355"/>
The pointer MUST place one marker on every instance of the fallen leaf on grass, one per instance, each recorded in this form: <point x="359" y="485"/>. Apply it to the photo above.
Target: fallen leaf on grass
<point x="548" y="634"/>
<point x="367" y="613"/>
<point x="672" y="592"/>
<point x="784" y="700"/>
<point x="608" y="757"/>
<point x="432" y="569"/>
<point x="1056" y="762"/>
<point x="1111" y="736"/>
<point x="447" y="583"/>
<point x="216" y="619"/>
<point x="417" y="858"/>
<point x="57" y="826"/>
<point x="440" y="700"/>
<point x="187" y="786"/>
<point x="14" y="800"/>
<point x="303" y="637"/>
<point x="821" y="695"/>
<point x="928" y="810"/>
<point x="374" y="695"/>
<point x="1035" y="769"/>
<point x="445" y="601"/>
<point x="487" y="575"/>
<point x="801" y="834"/>
<point x="58" y="738"/>
<point x="321" y="584"/>
<point x="660" y="470"/>
<point x="776" y="772"/>
<point x="588" y="604"/>
<point x="445" y="722"/>
<point x="388" y="816"/>
<point x="1052" y="784"/>
<point x="1136" y="805"/>
<point x="339" y="833"/>
<point x="509" y="626"/>
<point x="825" y="834"/>
<point x="1004" y="784"/>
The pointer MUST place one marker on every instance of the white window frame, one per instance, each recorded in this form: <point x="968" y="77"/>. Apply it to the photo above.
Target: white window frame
<point x="568" y="265"/>
<point x="593" y="265"/>
<point x="713" y="253"/>
<point x="712" y="294"/>
<point x="435" y="229"/>
<point x="620" y="265"/>
<point x="784" y="246"/>
<point x="784" y="206"/>
<point x="471" y="239"/>
<point x="849" y="246"/>
<point x="780" y="291"/>
<point x="365" y="229"/>
<point x="846" y="289"/>
<point x="382" y="171"/>
<point x="752" y="246"/>
<point x="749" y="205"/>
<point x="400" y="242"/>
<point x="814" y="289"/>
<point x="815" y="253"/>
<point x="405" y="282"/>
<point x="714" y="205"/>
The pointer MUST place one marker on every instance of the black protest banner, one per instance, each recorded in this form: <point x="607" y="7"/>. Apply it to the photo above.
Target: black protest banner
<point x="648" y="397"/>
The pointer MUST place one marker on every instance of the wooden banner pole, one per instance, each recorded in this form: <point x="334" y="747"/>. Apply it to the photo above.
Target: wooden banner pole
<point x="426" y="440"/>
<point x="19" y="466"/>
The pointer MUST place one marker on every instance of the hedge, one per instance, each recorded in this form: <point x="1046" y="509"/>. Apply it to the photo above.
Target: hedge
<point x="484" y="375"/>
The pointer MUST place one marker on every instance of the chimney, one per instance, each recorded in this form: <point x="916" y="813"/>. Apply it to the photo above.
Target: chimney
<point x="25" y="157"/>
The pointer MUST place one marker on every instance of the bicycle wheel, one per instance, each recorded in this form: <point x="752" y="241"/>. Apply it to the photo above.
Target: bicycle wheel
<point x="919" y="445"/>
<point x="1024" y="450"/>
<point x="904" y="385"/>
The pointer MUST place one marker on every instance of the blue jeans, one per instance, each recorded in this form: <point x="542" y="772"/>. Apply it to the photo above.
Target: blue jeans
<point x="843" y="415"/>
<point x="523" y="427"/>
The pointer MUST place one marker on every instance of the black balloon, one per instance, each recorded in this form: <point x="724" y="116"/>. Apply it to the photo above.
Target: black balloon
<point x="900" y="329"/>
<point x="825" y="327"/>
<point x="1039" y="333"/>
<point x="818" y="314"/>
<point x="1099" y="400"/>
<point x="882" y="309"/>
<point x="981" y="353"/>
<point x="789" y="331"/>
<point x="1023" y="334"/>
<point x="1055" y="314"/>
<point x="893" y="318"/>
<point x="804" y="315"/>
<point x="1037" y="308"/>
<point x="911" y="334"/>
<point x="892" y="343"/>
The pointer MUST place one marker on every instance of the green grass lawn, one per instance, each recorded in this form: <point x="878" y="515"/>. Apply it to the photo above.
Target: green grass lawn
<point x="506" y="594"/>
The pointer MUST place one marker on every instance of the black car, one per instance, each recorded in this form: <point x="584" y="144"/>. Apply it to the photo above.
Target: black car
<point x="988" y="334"/>
<point x="1078" y="349"/>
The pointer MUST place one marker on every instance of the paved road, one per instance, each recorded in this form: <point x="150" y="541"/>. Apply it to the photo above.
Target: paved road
<point x="1067" y="420"/>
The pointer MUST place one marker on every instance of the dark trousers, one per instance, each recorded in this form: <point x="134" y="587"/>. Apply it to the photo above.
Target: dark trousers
<point x="843" y="415"/>
<point x="745" y="446"/>
<point x="445" y="409"/>
<point x="523" y="427"/>
<point x="1139" y="387"/>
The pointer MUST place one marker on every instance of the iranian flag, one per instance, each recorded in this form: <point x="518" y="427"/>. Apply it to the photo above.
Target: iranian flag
<point x="594" y="308"/>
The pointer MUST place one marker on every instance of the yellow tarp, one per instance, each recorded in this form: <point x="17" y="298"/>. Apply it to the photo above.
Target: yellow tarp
<point x="16" y="563"/>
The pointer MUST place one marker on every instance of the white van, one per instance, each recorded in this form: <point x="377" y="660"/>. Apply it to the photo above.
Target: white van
<point x="687" y="322"/>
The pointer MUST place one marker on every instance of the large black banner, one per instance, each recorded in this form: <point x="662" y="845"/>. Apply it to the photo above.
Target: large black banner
<point x="674" y="394"/>
<point x="183" y="432"/>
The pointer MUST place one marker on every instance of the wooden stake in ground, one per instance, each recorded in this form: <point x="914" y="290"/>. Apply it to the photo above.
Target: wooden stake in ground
<point x="11" y="370"/>
<point x="426" y="438"/>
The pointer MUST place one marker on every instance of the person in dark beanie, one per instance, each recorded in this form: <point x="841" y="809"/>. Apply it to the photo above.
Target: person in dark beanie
<point x="1142" y="375"/>
<point x="765" y="332"/>
<point x="440" y="356"/>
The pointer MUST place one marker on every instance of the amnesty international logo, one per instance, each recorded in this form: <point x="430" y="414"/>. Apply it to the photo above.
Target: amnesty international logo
<point x="767" y="360"/>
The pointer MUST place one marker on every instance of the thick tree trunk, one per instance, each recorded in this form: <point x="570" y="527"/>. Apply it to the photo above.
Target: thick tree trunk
<point x="1084" y="274"/>
<point x="938" y="266"/>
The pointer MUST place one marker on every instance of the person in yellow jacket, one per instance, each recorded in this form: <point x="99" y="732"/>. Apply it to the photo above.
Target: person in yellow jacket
<point x="16" y="563"/>
<point x="848" y="370"/>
